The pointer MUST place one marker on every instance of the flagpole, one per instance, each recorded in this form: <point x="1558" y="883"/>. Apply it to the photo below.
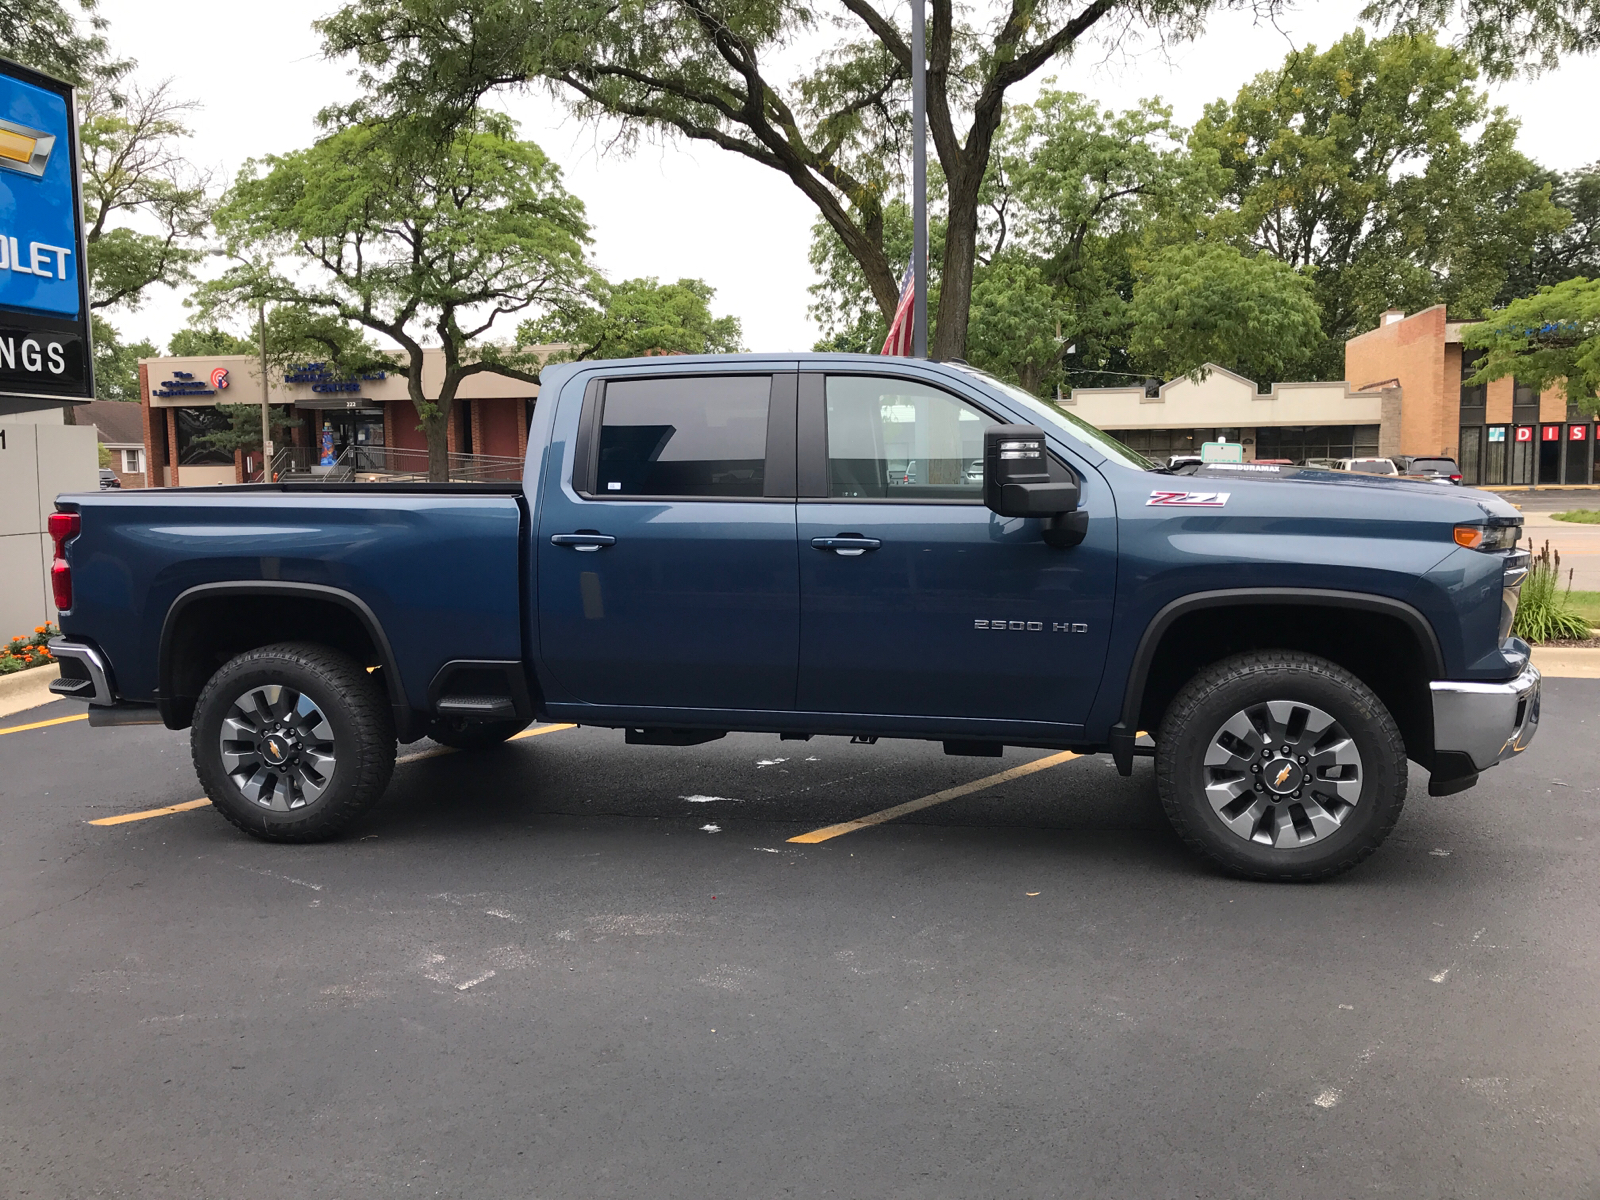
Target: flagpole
<point x="919" y="180"/>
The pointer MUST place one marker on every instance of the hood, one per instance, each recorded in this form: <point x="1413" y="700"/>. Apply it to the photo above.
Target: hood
<point x="1490" y="504"/>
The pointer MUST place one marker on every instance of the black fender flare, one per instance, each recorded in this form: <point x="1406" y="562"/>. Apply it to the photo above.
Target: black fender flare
<point x="270" y="587"/>
<point x="1123" y="733"/>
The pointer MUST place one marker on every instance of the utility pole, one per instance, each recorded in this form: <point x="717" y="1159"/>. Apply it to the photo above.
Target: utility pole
<point x="266" y="409"/>
<point x="919" y="179"/>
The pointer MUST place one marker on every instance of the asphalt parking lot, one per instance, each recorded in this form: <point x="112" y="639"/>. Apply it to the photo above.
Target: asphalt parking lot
<point x="572" y="968"/>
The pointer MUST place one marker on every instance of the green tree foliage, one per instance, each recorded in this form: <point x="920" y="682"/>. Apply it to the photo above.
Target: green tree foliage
<point x="1359" y="166"/>
<point x="208" y="340"/>
<point x="50" y="36"/>
<point x="1544" y="339"/>
<point x="116" y="363"/>
<point x="410" y="239"/>
<point x="1563" y="253"/>
<point x="636" y="317"/>
<point x="1254" y="315"/>
<point x="244" y="428"/>
<point x="133" y="167"/>
<point x="708" y="70"/>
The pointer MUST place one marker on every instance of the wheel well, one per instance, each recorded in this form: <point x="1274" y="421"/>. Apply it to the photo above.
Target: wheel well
<point x="1382" y="650"/>
<point x="209" y="630"/>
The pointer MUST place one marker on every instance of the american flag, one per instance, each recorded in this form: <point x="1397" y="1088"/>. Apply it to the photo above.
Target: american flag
<point x="899" y="339"/>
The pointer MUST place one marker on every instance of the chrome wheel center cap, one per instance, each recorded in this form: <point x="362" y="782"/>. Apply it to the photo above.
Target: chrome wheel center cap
<point x="276" y="749"/>
<point x="1282" y="776"/>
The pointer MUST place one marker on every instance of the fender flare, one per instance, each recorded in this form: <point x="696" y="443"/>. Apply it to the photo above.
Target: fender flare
<point x="1123" y="732"/>
<point x="269" y="587"/>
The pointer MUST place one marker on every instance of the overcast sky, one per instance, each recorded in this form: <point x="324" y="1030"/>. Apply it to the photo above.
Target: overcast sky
<point x="678" y="209"/>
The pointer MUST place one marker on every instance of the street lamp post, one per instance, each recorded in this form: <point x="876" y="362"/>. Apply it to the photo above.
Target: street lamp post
<point x="919" y="179"/>
<point x="266" y="400"/>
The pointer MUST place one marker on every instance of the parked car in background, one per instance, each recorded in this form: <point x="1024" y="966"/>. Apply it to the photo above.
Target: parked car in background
<point x="1185" y="464"/>
<point x="1433" y="468"/>
<point x="1324" y="464"/>
<point x="1368" y="466"/>
<point x="108" y="479"/>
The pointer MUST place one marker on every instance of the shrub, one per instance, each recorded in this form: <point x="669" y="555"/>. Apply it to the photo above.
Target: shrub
<point x="23" y="652"/>
<point x="1580" y="516"/>
<point x="1545" y="612"/>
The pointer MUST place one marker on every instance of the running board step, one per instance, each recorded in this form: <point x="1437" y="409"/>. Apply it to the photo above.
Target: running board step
<point x="476" y="706"/>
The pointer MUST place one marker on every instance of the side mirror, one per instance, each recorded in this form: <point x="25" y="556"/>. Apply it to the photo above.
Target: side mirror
<point x="1017" y="483"/>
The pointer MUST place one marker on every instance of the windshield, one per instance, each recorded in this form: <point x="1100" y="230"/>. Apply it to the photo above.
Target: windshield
<point x="1074" y="427"/>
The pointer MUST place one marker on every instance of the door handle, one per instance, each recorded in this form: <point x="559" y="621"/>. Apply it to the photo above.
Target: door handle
<point x="847" y="545"/>
<point x="584" y="542"/>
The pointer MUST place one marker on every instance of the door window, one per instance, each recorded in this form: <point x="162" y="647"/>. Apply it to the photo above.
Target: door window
<point x="684" y="436"/>
<point x="891" y="439"/>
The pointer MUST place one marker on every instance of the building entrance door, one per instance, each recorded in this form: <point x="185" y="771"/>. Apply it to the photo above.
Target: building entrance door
<point x="1522" y="454"/>
<point x="1549" y="454"/>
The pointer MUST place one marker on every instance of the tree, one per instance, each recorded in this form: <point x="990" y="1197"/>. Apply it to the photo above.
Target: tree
<point x="244" y="427"/>
<point x="705" y="70"/>
<point x="45" y="35"/>
<point x="116" y="364"/>
<point x="1550" y="337"/>
<point x="1358" y="165"/>
<point x="132" y="166"/>
<point x="1209" y="303"/>
<point x="208" y="340"/>
<point x="407" y="239"/>
<point x="1563" y="253"/>
<point x="636" y="317"/>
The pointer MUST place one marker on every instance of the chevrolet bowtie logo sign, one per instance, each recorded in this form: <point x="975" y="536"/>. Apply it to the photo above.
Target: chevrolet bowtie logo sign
<point x="1282" y="775"/>
<point x="25" y="150"/>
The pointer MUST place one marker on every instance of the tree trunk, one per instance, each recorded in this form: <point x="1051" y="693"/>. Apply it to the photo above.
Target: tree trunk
<point x="434" y="428"/>
<point x="960" y="249"/>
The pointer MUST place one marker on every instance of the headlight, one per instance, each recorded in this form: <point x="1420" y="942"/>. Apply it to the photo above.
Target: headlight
<point x="1488" y="538"/>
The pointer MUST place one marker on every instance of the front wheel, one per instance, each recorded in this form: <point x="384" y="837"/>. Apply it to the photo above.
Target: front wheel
<point x="1278" y="765"/>
<point x="293" y="742"/>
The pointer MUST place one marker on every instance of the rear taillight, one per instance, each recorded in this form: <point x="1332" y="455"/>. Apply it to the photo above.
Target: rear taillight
<point x="63" y="527"/>
<point x="1455" y="479"/>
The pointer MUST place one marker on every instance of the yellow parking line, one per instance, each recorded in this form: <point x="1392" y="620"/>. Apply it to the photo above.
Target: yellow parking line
<point x="124" y="818"/>
<point x="535" y="732"/>
<point x="42" y="724"/>
<point x="911" y="806"/>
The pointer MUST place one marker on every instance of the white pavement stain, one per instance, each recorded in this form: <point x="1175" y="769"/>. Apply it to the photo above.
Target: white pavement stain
<point x="502" y="914"/>
<point x="770" y="762"/>
<point x="315" y="887"/>
<point x="711" y="829"/>
<point x="1327" y="1097"/>
<point x="472" y="983"/>
<point x="710" y="799"/>
<point x="1440" y="853"/>
<point x="1440" y="977"/>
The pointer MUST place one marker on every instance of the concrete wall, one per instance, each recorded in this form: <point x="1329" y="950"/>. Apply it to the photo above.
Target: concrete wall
<point x="39" y="461"/>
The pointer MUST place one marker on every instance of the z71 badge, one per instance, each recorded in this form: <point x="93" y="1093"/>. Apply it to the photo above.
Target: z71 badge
<point x="1187" y="499"/>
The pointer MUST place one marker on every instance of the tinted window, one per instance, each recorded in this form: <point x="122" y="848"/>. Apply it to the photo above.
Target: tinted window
<point x="687" y="436"/>
<point x="889" y="439"/>
<point x="1433" y="466"/>
<point x="1373" y="466"/>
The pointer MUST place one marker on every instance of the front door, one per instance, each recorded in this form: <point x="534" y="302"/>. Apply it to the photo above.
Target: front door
<point x="915" y="598"/>
<point x="667" y="575"/>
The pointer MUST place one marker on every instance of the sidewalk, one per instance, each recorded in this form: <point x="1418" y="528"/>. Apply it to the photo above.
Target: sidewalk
<point x="1579" y="545"/>
<point x="27" y="689"/>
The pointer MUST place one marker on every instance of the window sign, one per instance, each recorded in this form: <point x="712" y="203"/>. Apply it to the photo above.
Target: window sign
<point x="1524" y="433"/>
<point x="44" y="327"/>
<point x="1221" y="452"/>
<point x="1497" y="433"/>
<point x="1550" y="433"/>
<point x="1577" y="433"/>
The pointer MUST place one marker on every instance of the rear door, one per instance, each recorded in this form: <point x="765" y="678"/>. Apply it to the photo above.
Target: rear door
<point x="667" y="566"/>
<point x="915" y="598"/>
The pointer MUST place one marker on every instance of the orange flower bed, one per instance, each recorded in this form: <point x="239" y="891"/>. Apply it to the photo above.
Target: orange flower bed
<point x="27" y="651"/>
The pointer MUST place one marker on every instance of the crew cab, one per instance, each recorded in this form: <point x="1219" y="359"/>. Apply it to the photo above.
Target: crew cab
<point x="732" y="543"/>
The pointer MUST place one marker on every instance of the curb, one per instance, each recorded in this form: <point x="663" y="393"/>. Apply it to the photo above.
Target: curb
<point x="27" y="689"/>
<point x="1568" y="662"/>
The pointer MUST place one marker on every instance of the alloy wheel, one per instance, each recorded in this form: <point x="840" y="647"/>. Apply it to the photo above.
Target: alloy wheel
<point x="277" y="747"/>
<point x="1282" y="774"/>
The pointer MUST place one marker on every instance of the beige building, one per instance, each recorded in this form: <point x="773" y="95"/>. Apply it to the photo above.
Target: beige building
<point x="1293" y="421"/>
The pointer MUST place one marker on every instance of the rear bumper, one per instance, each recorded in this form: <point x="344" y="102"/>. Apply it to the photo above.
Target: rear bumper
<point x="1486" y="722"/>
<point x="84" y="675"/>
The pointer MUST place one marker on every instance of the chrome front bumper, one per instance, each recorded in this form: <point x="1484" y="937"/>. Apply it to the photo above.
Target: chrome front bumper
<point x="1488" y="722"/>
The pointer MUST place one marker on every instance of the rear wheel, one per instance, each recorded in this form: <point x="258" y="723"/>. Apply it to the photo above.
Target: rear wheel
<point x="1278" y="765"/>
<point x="462" y="734"/>
<point x="293" y="742"/>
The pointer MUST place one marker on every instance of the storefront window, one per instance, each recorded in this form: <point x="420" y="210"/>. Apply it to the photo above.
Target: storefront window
<point x="203" y="434"/>
<point x="1494" y="455"/>
<point x="1470" y="459"/>
<point x="1577" y="464"/>
<point x="1298" y="443"/>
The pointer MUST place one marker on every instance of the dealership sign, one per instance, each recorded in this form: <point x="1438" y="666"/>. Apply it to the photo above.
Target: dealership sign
<point x="44" y="300"/>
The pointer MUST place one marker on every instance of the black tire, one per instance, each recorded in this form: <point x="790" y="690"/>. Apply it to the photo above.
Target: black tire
<point x="1347" y="824"/>
<point x="341" y="717"/>
<point x="462" y="734"/>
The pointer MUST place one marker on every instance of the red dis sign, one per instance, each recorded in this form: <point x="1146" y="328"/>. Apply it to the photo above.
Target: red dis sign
<point x="1525" y="433"/>
<point x="1550" y="433"/>
<point x="1577" y="433"/>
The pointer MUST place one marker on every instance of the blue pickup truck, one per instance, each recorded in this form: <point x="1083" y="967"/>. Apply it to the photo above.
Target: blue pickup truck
<point x="822" y="545"/>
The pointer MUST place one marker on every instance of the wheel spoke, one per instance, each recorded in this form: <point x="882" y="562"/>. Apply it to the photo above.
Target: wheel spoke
<point x="1235" y="744"/>
<point x="1322" y="821"/>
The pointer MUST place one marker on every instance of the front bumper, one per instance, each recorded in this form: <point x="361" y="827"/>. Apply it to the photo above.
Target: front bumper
<point x="1486" y="722"/>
